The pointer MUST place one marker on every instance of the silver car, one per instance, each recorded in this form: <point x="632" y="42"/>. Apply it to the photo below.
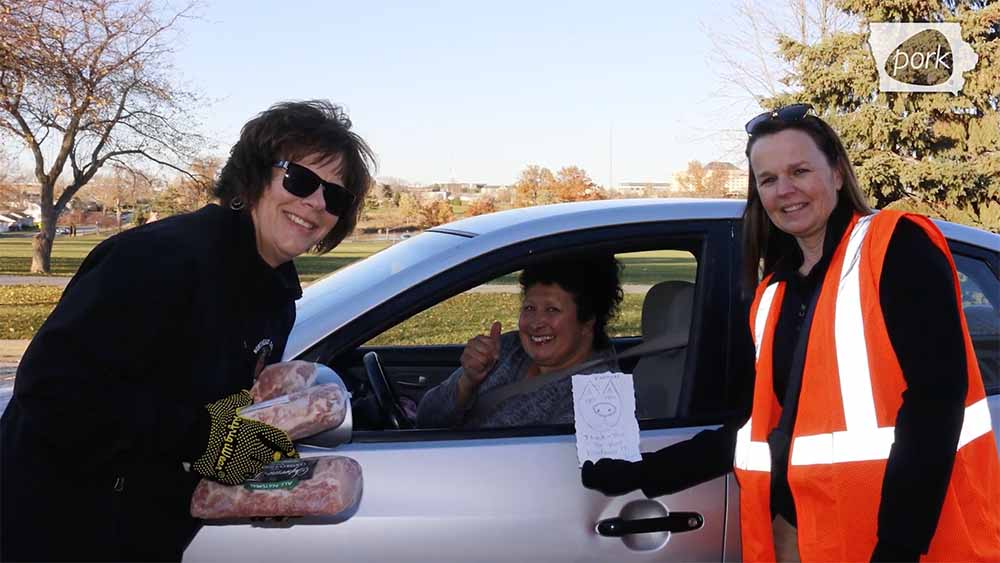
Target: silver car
<point x="514" y="494"/>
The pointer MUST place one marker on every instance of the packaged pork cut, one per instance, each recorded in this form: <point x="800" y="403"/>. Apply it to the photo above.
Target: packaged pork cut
<point x="285" y="377"/>
<point x="314" y="486"/>
<point x="303" y="413"/>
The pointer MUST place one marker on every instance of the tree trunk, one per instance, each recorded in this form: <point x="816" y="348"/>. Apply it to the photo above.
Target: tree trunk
<point x="41" y="246"/>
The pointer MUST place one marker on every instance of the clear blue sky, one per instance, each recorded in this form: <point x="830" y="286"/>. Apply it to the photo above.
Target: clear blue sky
<point x="476" y="90"/>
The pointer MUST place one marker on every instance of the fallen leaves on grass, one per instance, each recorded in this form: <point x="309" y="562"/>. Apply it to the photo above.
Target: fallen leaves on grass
<point x="23" y="309"/>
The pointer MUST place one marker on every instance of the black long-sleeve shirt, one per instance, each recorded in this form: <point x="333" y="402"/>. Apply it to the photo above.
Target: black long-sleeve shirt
<point x="918" y="303"/>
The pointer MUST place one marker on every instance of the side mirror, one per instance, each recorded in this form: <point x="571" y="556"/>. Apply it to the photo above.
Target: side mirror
<point x="335" y="436"/>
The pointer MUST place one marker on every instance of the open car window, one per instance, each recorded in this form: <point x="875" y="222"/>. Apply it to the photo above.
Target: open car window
<point x="471" y="312"/>
<point x="421" y="351"/>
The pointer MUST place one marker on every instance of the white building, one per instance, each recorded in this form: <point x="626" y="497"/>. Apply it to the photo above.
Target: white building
<point x="15" y="221"/>
<point x="432" y="195"/>
<point x="643" y="189"/>
<point x="495" y="192"/>
<point x="34" y="210"/>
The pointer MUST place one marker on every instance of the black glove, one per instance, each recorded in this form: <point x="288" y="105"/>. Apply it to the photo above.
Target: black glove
<point x="239" y="447"/>
<point x="886" y="552"/>
<point x="612" y="477"/>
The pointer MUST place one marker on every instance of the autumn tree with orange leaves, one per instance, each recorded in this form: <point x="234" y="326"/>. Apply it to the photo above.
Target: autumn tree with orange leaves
<point x="537" y="185"/>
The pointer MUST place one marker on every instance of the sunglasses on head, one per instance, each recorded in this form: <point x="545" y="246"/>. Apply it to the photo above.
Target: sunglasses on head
<point x="302" y="182"/>
<point x="794" y="112"/>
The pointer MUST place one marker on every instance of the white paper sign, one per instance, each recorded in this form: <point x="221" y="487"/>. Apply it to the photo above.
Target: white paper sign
<point x="604" y="410"/>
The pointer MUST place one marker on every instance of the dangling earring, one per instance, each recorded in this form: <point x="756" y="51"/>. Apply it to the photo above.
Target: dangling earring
<point x="237" y="203"/>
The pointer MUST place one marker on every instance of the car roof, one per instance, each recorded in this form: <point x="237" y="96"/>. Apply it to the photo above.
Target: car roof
<point x="336" y="299"/>
<point x="619" y="211"/>
<point x="597" y="213"/>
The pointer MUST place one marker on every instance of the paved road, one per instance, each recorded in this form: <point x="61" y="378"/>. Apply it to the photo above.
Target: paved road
<point x="60" y="281"/>
<point x="6" y="384"/>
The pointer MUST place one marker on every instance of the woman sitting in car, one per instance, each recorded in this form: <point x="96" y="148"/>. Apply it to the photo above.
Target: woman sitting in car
<point x="565" y="308"/>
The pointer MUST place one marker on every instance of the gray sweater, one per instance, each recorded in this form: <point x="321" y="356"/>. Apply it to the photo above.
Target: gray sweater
<point x="550" y="404"/>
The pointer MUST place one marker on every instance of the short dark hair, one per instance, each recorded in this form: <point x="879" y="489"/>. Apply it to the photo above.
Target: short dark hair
<point x="292" y="131"/>
<point x="761" y="239"/>
<point x="592" y="280"/>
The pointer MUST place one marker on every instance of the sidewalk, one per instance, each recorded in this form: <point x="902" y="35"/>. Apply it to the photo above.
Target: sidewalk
<point x="10" y="355"/>
<point x="60" y="281"/>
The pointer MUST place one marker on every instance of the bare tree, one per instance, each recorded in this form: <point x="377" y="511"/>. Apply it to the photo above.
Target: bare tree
<point x="8" y="192"/>
<point x="85" y="83"/>
<point x="745" y="56"/>
<point x="121" y="190"/>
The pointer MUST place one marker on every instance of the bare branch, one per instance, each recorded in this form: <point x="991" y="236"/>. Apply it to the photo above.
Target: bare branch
<point x="89" y="77"/>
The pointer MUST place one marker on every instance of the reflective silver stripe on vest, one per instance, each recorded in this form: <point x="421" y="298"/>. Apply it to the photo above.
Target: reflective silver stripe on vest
<point x="750" y="455"/>
<point x="863" y="439"/>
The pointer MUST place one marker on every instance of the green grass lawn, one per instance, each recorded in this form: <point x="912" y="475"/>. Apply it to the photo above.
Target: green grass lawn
<point x="460" y="318"/>
<point x="69" y="252"/>
<point x="24" y="308"/>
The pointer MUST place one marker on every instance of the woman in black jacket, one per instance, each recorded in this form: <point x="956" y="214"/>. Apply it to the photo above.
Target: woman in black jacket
<point x="129" y="391"/>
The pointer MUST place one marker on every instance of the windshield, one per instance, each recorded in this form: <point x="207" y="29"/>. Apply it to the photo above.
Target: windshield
<point x="376" y="269"/>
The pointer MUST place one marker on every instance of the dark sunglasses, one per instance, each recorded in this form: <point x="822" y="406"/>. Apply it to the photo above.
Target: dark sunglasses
<point x="302" y="182"/>
<point x="794" y="112"/>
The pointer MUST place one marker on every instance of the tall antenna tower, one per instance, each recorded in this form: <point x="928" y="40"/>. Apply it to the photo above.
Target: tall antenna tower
<point x="611" y="156"/>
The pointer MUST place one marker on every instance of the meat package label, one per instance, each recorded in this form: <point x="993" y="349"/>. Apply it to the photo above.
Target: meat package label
<point x="284" y="474"/>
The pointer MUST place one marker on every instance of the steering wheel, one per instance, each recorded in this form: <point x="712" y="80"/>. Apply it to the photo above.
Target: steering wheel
<point x="392" y="413"/>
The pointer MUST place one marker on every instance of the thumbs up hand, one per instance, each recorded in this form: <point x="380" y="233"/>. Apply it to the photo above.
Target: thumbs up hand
<point x="481" y="354"/>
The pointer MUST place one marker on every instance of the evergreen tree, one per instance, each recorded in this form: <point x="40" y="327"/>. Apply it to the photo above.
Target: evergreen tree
<point x="938" y="153"/>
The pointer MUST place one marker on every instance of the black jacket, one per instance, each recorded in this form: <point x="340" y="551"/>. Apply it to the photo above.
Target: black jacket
<point x="109" y="397"/>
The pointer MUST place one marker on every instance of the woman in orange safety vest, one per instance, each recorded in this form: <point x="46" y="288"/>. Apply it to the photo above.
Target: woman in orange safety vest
<point x="869" y="436"/>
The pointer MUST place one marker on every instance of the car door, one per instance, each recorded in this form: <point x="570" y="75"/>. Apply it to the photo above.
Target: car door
<point x="979" y="281"/>
<point x="514" y="494"/>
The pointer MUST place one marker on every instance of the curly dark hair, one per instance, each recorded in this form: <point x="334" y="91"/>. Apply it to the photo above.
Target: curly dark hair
<point x="592" y="280"/>
<point x="293" y="131"/>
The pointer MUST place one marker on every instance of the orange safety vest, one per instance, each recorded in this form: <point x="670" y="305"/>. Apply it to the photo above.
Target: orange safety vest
<point x="845" y="422"/>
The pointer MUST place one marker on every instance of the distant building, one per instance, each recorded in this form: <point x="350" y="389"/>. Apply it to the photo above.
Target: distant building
<point x="736" y="177"/>
<point x="642" y="189"/>
<point x="34" y="211"/>
<point x="432" y="195"/>
<point x="734" y="180"/>
<point x="15" y="221"/>
<point x="495" y="192"/>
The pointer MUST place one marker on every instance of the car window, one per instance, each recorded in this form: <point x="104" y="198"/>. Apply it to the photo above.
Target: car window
<point x="659" y="288"/>
<point x="459" y="318"/>
<point x="981" y="304"/>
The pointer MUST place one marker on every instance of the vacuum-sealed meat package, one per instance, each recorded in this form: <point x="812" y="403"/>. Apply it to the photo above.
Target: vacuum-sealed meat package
<point x="314" y="486"/>
<point x="285" y="377"/>
<point x="303" y="413"/>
